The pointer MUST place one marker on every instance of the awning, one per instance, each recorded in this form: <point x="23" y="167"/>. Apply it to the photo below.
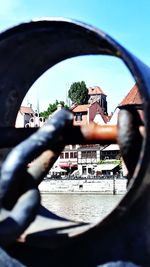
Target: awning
<point x="66" y="165"/>
<point x="111" y="147"/>
<point x="57" y="169"/>
<point x="106" y="167"/>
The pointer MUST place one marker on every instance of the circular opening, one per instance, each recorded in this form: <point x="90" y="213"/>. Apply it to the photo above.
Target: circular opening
<point x="94" y="178"/>
<point x="79" y="41"/>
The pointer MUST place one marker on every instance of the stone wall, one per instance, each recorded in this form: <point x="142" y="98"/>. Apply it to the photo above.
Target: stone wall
<point x="85" y="185"/>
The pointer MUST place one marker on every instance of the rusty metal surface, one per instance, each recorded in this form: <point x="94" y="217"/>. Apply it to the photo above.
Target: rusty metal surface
<point x="124" y="234"/>
<point x="87" y="134"/>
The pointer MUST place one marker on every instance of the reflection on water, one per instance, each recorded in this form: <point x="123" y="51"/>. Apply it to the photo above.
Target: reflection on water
<point x="81" y="207"/>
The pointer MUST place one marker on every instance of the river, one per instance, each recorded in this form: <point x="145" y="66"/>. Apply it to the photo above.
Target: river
<point x="81" y="207"/>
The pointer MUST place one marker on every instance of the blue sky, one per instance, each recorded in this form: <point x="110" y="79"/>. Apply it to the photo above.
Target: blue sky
<point x="127" y="21"/>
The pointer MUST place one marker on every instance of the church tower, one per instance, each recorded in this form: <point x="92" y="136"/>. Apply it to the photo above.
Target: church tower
<point x="96" y="94"/>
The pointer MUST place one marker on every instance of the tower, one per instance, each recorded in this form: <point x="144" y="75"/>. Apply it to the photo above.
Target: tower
<point x="96" y="94"/>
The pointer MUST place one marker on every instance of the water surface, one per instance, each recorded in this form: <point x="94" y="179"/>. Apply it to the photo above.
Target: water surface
<point x="81" y="207"/>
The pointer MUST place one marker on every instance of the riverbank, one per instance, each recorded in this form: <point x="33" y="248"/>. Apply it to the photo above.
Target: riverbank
<point x="101" y="186"/>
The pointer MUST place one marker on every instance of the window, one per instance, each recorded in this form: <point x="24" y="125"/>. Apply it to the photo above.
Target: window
<point x="78" y="116"/>
<point x="66" y="155"/>
<point x="62" y="155"/>
<point x="83" y="169"/>
<point x="93" y="154"/>
<point x="88" y="154"/>
<point x="73" y="155"/>
<point x="83" y="155"/>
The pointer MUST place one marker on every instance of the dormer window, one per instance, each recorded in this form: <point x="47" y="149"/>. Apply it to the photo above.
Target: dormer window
<point x="78" y="116"/>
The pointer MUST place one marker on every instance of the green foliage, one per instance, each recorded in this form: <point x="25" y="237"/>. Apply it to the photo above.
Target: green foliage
<point x="51" y="108"/>
<point x="78" y="93"/>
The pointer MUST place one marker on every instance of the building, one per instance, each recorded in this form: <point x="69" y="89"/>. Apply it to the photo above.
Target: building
<point x="109" y="155"/>
<point x="132" y="98"/>
<point x="68" y="158"/>
<point x="24" y="115"/>
<point x="35" y="121"/>
<point x="27" y="118"/>
<point x="107" y="169"/>
<point x="95" y="110"/>
<point x="96" y="94"/>
<point x="86" y="158"/>
<point x="110" y="152"/>
<point x="84" y="114"/>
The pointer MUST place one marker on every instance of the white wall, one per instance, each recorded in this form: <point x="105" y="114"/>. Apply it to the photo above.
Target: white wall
<point x="19" y="120"/>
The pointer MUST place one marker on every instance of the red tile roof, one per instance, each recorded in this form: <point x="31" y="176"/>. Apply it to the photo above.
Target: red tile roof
<point x="81" y="108"/>
<point x="95" y="90"/>
<point x="28" y="110"/>
<point x="133" y="97"/>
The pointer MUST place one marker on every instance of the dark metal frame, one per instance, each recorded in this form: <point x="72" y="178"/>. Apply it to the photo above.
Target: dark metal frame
<point x="26" y="52"/>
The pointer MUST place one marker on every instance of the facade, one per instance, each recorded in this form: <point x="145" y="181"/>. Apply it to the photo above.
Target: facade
<point x="88" y="158"/>
<point x="109" y="155"/>
<point x="96" y="94"/>
<point x="68" y="158"/>
<point x="81" y="114"/>
<point x="27" y="118"/>
<point x="108" y="169"/>
<point x="110" y="152"/>
<point x="84" y="114"/>
<point x="35" y="121"/>
<point x="24" y="115"/>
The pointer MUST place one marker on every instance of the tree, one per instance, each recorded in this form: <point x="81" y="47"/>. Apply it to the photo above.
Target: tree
<point x="51" y="108"/>
<point x="78" y="93"/>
